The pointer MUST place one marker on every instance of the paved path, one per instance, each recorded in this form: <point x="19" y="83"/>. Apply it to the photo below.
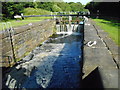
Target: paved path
<point x="100" y="69"/>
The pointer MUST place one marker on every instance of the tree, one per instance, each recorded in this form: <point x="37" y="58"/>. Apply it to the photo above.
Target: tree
<point x="55" y="8"/>
<point x="64" y="6"/>
<point x="76" y="6"/>
<point x="9" y="9"/>
<point x="105" y="8"/>
<point x="45" y="5"/>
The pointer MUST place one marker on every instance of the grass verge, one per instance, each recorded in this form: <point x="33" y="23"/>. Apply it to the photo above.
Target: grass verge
<point x="18" y="23"/>
<point x="111" y="27"/>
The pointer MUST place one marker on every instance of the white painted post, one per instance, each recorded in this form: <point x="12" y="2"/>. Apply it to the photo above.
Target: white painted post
<point x="3" y="26"/>
<point x="51" y="13"/>
<point x="22" y="15"/>
<point x="54" y="17"/>
<point x="97" y="14"/>
<point x="11" y="29"/>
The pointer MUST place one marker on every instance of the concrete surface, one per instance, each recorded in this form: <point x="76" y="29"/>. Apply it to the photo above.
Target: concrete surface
<point x="99" y="66"/>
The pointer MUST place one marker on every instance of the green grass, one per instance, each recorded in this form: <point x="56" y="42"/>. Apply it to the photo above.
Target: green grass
<point x="18" y="23"/>
<point x="111" y="27"/>
<point x="28" y="11"/>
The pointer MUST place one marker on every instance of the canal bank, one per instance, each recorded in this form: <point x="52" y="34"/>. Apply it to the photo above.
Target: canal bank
<point x="100" y="64"/>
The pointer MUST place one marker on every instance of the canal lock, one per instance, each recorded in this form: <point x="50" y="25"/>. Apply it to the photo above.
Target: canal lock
<point x="57" y="63"/>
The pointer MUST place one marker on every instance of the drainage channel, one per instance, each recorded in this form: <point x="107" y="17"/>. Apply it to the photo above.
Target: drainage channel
<point x="55" y="64"/>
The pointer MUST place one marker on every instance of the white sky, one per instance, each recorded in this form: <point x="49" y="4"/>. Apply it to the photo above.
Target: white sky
<point x="84" y="2"/>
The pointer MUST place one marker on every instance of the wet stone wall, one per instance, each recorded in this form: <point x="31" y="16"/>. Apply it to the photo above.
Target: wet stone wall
<point x="24" y="39"/>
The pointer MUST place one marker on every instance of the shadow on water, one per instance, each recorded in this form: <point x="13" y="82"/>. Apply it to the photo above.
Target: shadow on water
<point x="93" y="80"/>
<point x="66" y="68"/>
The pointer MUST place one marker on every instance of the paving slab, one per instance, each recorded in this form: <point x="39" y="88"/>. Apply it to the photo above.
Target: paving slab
<point x="98" y="65"/>
<point x="110" y="44"/>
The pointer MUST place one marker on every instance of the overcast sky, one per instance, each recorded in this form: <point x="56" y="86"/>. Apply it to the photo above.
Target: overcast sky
<point x="82" y="1"/>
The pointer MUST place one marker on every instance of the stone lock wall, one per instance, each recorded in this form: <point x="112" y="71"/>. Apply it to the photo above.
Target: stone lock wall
<point x="25" y="39"/>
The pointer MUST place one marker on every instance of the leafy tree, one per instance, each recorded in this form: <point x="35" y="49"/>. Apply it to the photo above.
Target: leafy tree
<point x="9" y="9"/>
<point x="55" y="8"/>
<point x="29" y="4"/>
<point x="45" y="5"/>
<point x="76" y="6"/>
<point x="64" y="6"/>
<point x="105" y="8"/>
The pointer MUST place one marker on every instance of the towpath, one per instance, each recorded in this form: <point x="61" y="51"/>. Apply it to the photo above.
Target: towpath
<point x="100" y="66"/>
